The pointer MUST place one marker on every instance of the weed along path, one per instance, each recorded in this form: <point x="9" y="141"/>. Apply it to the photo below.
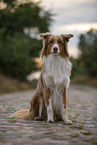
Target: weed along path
<point x="82" y="103"/>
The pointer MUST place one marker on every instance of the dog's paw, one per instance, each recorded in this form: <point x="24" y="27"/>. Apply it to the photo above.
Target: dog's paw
<point x="67" y="122"/>
<point x="50" y="120"/>
<point x="38" y="118"/>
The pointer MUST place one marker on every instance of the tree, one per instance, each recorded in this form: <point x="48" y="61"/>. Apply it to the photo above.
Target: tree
<point x="18" y="16"/>
<point x="19" y="22"/>
<point x="88" y="51"/>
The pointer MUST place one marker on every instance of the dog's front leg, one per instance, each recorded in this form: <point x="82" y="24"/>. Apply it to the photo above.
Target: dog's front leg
<point x="50" y="112"/>
<point x="48" y="102"/>
<point x="64" y="108"/>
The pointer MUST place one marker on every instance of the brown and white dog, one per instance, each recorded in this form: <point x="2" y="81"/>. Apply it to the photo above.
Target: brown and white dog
<point x="50" y="98"/>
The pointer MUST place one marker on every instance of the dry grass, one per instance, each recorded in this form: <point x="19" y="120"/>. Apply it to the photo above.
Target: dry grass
<point x="86" y="80"/>
<point x="8" y="85"/>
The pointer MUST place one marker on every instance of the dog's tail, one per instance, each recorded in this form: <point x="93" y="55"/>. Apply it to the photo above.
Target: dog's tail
<point x="23" y="114"/>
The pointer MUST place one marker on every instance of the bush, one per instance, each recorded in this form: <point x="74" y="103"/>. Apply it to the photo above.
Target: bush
<point x="77" y="67"/>
<point x="15" y="55"/>
<point x="18" y="21"/>
<point x="88" y="52"/>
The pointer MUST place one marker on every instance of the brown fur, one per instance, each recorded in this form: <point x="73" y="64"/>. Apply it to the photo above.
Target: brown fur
<point x="49" y="39"/>
<point x="42" y="92"/>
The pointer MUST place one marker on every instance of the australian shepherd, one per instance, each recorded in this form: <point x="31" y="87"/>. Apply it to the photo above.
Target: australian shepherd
<point x="49" y="101"/>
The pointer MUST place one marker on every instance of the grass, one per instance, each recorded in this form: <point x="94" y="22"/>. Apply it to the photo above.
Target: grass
<point x="74" y="135"/>
<point x="86" y="133"/>
<point x="74" y="121"/>
<point x="77" y="127"/>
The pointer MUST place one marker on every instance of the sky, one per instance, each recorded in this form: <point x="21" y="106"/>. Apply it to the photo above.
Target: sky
<point x="75" y="17"/>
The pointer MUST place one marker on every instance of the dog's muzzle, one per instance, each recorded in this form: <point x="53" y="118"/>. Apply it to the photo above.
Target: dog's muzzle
<point x="55" y="49"/>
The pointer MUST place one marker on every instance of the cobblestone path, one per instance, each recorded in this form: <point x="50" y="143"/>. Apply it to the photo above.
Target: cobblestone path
<point x="82" y="110"/>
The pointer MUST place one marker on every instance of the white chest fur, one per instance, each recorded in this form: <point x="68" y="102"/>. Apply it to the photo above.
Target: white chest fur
<point x="56" y="70"/>
<point x="56" y="76"/>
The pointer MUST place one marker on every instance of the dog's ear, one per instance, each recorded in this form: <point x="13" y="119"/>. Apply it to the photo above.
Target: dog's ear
<point x="67" y="36"/>
<point x="45" y="35"/>
<point x="45" y="42"/>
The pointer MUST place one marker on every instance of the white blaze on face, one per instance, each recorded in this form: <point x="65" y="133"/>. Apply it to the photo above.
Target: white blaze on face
<point x="55" y="45"/>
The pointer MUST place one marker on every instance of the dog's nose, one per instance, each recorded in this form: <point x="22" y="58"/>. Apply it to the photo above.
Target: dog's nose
<point x="55" y="49"/>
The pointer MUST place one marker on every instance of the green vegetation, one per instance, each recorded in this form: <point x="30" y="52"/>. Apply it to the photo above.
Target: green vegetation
<point x="88" y="49"/>
<point x="20" y="24"/>
<point x="77" y="127"/>
<point x="85" y="66"/>
<point x="86" y="133"/>
<point x="74" y="121"/>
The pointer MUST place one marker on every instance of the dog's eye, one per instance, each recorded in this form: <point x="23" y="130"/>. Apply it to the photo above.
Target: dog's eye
<point x="60" y="42"/>
<point x="51" y="42"/>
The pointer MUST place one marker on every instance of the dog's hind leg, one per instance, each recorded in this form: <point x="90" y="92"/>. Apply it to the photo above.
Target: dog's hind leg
<point x="36" y="107"/>
<point x="27" y="114"/>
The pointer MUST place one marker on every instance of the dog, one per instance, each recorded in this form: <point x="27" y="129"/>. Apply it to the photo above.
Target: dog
<point x="49" y="101"/>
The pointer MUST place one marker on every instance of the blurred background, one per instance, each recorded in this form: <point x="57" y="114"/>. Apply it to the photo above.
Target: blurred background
<point x="21" y="22"/>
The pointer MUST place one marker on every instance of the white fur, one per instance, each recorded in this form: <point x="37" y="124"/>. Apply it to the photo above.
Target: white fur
<point x="56" y="76"/>
<point x="50" y="112"/>
<point x="57" y="99"/>
<point x="56" y="105"/>
<point x="58" y="68"/>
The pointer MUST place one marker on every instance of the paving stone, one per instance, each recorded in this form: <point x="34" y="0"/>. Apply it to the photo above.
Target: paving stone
<point x="82" y="102"/>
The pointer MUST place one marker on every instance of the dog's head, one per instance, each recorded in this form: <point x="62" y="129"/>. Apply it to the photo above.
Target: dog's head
<point x="55" y="44"/>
